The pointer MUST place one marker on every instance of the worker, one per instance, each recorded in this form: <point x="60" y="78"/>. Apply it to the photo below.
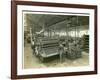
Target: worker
<point x="62" y="49"/>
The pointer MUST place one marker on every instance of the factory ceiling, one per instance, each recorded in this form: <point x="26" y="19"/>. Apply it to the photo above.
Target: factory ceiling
<point x="57" y="21"/>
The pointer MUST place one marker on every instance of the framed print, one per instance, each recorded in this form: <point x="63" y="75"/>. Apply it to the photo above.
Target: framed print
<point x="53" y="39"/>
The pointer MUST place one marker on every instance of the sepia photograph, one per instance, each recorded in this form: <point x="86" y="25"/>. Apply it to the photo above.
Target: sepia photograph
<point x="55" y="40"/>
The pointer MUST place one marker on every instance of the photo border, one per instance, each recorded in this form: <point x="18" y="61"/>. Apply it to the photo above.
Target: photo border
<point x="14" y="38"/>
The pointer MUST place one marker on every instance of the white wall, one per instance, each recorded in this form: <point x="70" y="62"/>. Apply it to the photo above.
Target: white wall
<point x="5" y="40"/>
